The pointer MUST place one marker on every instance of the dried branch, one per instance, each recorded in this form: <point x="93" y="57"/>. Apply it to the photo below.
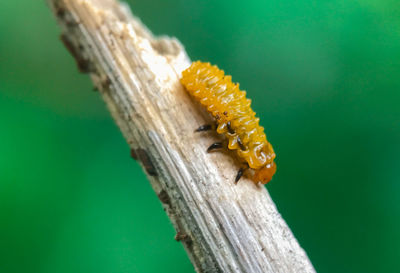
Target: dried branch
<point x="224" y="227"/>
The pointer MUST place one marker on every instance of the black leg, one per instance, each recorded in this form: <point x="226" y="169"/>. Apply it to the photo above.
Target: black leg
<point x="215" y="146"/>
<point x="206" y="127"/>
<point x="230" y="130"/>
<point x="240" y="174"/>
<point x="242" y="147"/>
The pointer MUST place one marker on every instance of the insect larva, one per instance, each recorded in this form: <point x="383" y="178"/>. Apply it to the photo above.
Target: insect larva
<point x="234" y="117"/>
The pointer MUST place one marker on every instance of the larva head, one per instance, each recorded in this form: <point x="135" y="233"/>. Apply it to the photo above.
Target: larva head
<point x="264" y="174"/>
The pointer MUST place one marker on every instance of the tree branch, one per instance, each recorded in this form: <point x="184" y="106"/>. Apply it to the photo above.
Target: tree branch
<point x="224" y="227"/>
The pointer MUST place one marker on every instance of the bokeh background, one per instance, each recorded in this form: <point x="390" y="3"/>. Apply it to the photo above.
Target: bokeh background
<point x="324" y="77"/>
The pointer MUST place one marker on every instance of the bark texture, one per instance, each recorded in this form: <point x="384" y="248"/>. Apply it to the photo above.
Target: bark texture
<point x="224" y="227"/>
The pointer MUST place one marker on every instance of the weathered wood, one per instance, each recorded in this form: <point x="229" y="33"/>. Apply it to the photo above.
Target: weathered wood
<point x="224" y="227"/>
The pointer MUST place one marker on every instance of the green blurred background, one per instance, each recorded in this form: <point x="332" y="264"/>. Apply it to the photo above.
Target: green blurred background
<point x="324" y="78"/>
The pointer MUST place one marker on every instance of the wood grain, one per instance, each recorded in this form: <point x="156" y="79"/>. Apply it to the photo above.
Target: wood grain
<point x="224" y="227"/>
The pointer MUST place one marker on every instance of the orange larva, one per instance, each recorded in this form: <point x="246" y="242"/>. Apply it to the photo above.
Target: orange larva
<point x="234" y="117"/>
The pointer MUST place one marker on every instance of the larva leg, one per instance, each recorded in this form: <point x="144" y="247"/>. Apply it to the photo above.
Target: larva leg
<point x="215" y="146"/>
<point x="240" y="173"/>
<point x="205" y="127"/>
<point x="230" y="130"/>
<point x="242" y="147"/>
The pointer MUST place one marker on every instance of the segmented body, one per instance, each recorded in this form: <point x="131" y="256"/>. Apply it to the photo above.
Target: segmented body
<point x="236" y="120"/>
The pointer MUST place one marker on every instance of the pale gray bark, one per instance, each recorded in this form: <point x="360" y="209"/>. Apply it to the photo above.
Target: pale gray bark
<point x="224" y="227"/>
